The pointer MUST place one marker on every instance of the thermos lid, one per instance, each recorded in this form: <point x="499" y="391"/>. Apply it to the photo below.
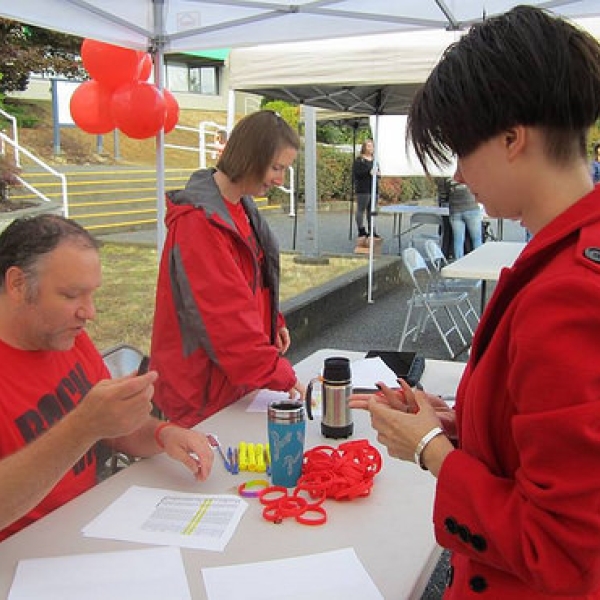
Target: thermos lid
<point x="286" y="411"/>
<point x="337" y="369"/>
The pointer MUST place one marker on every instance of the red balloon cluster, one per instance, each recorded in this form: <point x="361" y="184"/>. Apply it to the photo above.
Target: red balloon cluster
<point x="119" y="96"/>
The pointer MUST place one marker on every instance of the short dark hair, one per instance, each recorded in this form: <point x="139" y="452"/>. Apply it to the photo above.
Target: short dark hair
<point x="26" y="239"/>
<point x="253" y="144"/>
<point x="524" y="67"/>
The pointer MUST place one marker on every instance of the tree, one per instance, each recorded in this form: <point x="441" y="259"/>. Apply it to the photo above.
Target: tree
<point x="25" y="49"/>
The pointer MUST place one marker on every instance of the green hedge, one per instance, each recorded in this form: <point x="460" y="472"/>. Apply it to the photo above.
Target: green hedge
<point x="334" y="169"/>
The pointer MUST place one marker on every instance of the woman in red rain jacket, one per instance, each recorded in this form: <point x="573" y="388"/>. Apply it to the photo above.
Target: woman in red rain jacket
<point x="518" y="463"/>
<point x="217" y="332"/>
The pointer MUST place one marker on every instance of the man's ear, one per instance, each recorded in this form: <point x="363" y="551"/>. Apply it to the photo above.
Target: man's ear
<point x="515" y="140"/>
<point x="15" y="283"/>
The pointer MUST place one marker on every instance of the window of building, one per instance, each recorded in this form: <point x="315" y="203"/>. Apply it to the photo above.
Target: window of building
<point x="198" y="79"/>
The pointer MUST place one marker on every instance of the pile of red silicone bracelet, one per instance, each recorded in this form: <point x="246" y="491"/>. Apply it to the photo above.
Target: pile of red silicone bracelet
<point x="341" y="473"/>
<point x="279" y="504"/>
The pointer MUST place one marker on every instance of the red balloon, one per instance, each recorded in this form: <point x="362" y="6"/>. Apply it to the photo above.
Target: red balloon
<point x="138" y="109"/>
<point x="145" y="66"/>
<point x="172" y="117"/>
<point x="111" y="65"/>
<point x="90" y="108"/>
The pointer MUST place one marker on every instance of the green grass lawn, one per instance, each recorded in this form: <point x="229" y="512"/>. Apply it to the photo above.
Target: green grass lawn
<point x="125" y="302"/>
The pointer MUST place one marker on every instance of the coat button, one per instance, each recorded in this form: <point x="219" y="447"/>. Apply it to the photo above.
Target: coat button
<point x="478" y="542"/>
<point x="478" y="584"/>
<point x="449" y="576"/>
<point x="451" y="525"/>
<point x="464" y="533"/>
<point x="593" y="254"/>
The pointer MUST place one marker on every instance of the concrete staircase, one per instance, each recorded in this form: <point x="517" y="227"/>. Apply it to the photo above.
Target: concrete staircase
<point x="110" y="199"/>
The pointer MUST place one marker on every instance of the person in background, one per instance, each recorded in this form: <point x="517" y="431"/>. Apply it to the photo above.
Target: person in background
<point x="362" y="171"/>
<point x="596" y="164"/>
<point x="56" y="397"/>
<point x="465" y="215"/>
<point x="218" y="333"/>
<point x="220" y="141"/>
<point x="518" y="461"/>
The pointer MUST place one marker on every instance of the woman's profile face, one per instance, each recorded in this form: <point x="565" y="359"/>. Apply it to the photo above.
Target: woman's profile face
<point x="275" y="174"/>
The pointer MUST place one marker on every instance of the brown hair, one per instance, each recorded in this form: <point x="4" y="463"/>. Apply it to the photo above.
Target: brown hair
<point x="27" y="239"/>
<point x="253" y="144"/>
<point x="363" y="147"/>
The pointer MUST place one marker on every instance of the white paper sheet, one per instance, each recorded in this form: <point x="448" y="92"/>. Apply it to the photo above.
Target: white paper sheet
<point x="366" y="372"/>
<point x="336" y="575"/>
<point x="166" y="517"/>
<point x="263" y="398"/>
<point x="148" y="574"/>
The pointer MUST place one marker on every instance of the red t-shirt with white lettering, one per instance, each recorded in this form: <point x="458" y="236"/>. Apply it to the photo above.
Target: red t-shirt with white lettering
<point x="36" y="390"/>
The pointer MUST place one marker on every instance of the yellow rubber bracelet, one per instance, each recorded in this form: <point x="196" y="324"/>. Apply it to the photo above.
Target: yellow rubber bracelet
<point x="252" y="488"/>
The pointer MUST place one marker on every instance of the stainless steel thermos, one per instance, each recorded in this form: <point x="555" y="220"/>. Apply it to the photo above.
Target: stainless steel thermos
<point x="336" y="388"/>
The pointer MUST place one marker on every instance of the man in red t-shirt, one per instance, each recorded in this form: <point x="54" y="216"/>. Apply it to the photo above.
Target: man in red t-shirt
<point x="56" y="396"/>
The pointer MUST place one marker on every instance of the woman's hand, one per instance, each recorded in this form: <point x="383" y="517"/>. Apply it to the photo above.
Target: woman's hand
<point x="283" y="340"/>
<point x="401" y="419"/>
<point x="404" y="400"/>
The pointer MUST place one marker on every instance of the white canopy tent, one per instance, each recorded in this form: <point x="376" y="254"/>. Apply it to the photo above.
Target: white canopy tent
<point x="163" y="26"/>
<point x="370" y="75"/>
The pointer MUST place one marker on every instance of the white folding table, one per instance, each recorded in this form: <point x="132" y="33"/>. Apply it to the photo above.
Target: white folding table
<point x="390" y="530"/>
<point x="484" y="263"/>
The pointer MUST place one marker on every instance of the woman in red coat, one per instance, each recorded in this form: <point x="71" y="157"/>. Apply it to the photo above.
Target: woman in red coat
<point x="218" y="333"/>
<point x="518" y="463"/>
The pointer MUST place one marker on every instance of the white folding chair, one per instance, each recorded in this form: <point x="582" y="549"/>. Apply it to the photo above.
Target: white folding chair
<point x="122" y="359"/>
<point x="438" y="260"/>
<point x="423" y="227"/>
<point x="427" y="302"/>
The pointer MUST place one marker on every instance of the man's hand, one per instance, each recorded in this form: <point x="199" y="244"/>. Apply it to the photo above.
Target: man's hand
<point x="116" y="407"/>
<point x="190" y="448"/>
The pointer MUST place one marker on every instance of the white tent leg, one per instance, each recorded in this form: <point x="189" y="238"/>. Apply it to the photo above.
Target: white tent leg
<point x="158" y="52"/>
<point x="310" y="178"/>
<point x="230" y="110"/>
<point x="373" y="206"/>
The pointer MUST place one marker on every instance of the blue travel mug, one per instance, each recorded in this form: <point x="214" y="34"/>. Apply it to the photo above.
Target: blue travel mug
<point x="286" y="427"/>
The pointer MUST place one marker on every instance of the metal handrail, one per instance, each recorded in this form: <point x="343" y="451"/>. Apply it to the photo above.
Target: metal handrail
<point x="204" y="147"/>
<point x="4" y="139"/>
<point x="15" y="135"/>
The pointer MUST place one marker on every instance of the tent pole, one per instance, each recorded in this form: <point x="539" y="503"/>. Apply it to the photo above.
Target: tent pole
<point x="158" y="52"/>
<point x="373" y="209"/>
<point x="310" y="179"/>
<point x="354" y="129"/>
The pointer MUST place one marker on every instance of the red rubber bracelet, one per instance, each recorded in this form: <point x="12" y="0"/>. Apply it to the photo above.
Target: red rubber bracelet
<point x="315" y="521"/>
<point x="159" y="429"/>
<point x="268" y="497"/>
<point x="271" y="513"/>
<point x="292" y="506"/>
